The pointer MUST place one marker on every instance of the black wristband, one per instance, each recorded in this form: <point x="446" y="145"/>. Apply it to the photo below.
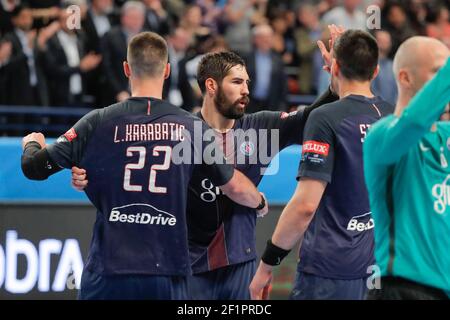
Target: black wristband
<point x="273" y="255"/>
<point x="262" y="204"/>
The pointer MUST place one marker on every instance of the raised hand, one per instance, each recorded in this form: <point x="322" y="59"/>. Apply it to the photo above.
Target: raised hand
<point x="335" y="32"/>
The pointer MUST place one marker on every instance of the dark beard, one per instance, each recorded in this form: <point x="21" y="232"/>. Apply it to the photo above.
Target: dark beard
<point x="228" y="109"/>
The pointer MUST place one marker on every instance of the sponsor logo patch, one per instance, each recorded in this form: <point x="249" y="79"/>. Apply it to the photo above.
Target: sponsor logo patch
<point x="285" y="115"/>
<point x="70" y="134"/>
<point x="312" y="146"/>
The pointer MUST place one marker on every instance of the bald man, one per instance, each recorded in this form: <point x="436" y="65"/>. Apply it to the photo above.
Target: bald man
<point x="407" y="172"/>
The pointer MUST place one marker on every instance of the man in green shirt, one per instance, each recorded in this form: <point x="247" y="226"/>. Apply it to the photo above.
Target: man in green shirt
<point x="407" y="172"/>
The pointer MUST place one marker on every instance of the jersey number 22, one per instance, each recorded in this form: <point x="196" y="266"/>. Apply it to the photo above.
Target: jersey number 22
<point x="153" y="169"/>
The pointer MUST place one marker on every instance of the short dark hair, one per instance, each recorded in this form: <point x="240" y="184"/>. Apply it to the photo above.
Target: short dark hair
<point x="147" y="54"/>
<point x="356" y="52"/>
<point x="216" y="66"/>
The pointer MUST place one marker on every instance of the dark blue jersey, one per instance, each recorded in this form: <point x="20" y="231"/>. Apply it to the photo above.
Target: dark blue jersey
<point x="138" y="186"/>
<point x="339" y="241"/>
<point x="226" y="234"/>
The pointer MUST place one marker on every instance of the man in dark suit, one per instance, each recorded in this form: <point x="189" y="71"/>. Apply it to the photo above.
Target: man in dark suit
<point x="5" y="54"/>
<point x="66" y="64"/>
<point x="24" y="79"/>
<point x="114" y="49"/>
<point x="100" y="18"/>
<point x="266" y="69"/>
<point x="156" y="18"/>
<point x="6" y="8"/>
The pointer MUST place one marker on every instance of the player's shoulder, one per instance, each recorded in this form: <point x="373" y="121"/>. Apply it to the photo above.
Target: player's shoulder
<point x="259" y="116"/>
<point x="327" y="111"/>
<point x="93" y="116"/>
<point x="110" y="111"/>
<point x="387" y="107"/>
<point x="352" y="104"/>
<point x="378" y="128"/>
<point x="153" y="106"/>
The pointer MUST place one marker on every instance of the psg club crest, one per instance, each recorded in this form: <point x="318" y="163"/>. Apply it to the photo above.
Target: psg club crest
<point x="247" y="148"/>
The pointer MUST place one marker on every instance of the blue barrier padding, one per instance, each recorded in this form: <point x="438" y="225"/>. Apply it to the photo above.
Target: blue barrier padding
<point x="44" y="111"/>
<point x="15" y="188"/>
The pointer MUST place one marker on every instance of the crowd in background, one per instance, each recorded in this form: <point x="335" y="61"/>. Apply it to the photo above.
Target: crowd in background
<point x="45" y="60"/>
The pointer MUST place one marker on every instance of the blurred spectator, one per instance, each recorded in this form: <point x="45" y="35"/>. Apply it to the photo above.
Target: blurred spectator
<point x="397" y="24"/>
<point x="66" y="63"/>
<point x="239" y="16"/>
<point x="187" y="77"/>
<point x="156" y="17"/>
<point x="119" y="3"/>
<point x="107" y="29"/>
<point x="306" y="36"/>
<point x="114" y="49"/>
<point x="6" y="8"/>
<point x="274" y="7"/>
<point x="177" y="43"/>
<point x="265" y="68"/>
<point x="24" y="78"/>
<point x="191" y="21"/>
<point x="43" y="11"/>
<point x="325" y="6"/>
<point x="175" y="9"/>
<point x="99" y="20"/>
<point x="283" y="42"/>
<point x="384" y="84"/>
<point x="417" y="14"/>
<point x="439" y="26"/>
<point x="5" y="54"/>
<point x="348" y="15"/>
<point x="211" y="14"/>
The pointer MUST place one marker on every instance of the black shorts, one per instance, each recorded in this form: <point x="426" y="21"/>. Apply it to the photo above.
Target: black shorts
<point x="396" y="288"/>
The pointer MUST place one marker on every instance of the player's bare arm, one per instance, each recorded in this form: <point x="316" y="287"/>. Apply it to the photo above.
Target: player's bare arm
<point x="293" y="222"/>
<point x="241" y="190"/>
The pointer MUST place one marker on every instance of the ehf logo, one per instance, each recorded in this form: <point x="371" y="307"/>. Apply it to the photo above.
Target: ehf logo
<point x="247" y="148"/>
